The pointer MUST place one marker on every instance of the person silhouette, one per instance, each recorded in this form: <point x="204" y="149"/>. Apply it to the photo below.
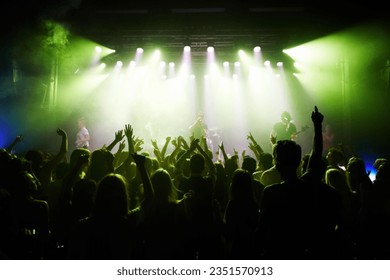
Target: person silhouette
<point x="285" y="129"/>
<point x="82" y="136"/>
<point x="199" y="128"/>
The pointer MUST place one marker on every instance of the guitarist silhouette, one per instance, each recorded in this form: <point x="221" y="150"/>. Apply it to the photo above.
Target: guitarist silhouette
<point x="285" y="129"/>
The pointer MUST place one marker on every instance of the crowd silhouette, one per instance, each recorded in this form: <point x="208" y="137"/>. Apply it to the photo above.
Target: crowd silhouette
<point x="181" y="202"/>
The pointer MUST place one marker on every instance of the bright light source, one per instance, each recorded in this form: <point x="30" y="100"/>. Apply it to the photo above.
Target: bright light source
<point x="187" y="48"/>
<point x="256" y="49"/>
<point x="210" y="49"/>
<point x="279" y="64"/>
<point x="140" y="50"/>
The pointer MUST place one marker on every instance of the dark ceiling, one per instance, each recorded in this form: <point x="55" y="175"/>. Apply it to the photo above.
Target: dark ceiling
<point x="227" y="25"/>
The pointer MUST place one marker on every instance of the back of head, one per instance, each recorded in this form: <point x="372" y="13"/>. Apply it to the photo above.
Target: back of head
<point x="266" y="160"/>
<point x="241" y="185"/>
<point x="101" y="164"/>
<point x="197" y="163"/>
<point x="162" y="185"/>
<point x="111" y="196"/>
<point x="378" y="162"/>
<point x="36" y="157"/>
<point x="287" y="155"/>
<point x="231" y="164"/>
<point x="335" y="156"/>
<point x="336" y="179"/>
<point x="356" y="166"/>
<point x="76" y="153"/>
<point x="249" y="163"/>
<point x="383" y="173"/>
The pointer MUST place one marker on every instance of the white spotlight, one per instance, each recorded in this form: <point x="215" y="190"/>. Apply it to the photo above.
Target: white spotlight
<point x="257" y="49"/>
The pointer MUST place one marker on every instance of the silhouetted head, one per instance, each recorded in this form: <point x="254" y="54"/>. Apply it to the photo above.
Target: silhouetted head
<point x="266" y="160"/>
<point x="163" y="186"/>
<point x="36" y="158"/>
<point x="101" y="164"/>
<point x="287" y="156"/>
<point x="241" y="185"/>
<point x="249" y="164"/>
<point x="335" y="156"/>
<point x="76" y="153"/>
<point x="383" y="172"/>
<point x="111" y="196"/>
<point x="197" y="163"/>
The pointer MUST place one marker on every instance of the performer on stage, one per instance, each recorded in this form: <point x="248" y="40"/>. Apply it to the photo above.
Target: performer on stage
<point x="199" y="128"/>
<point x="82" y="137"/>
<point x="284" y="130"/>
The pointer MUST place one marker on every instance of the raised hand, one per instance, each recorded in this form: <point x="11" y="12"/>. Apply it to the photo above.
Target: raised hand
<point x="138" y="142"/>
<point x="154" y="143"/>
<point x="121" y="146"/>
<point x="175" y="142"/>
<point x="221" y="146"/>
<point x="316" y="116"/>
<point x="251" y="138"/>
<point x="119" y="135"/>
<point x="130" y="137"/>
<point x="194" y="144"/>
<point x="61" y="132"/>
<point x="18" y="139"/>
<point x="273" y="139"/>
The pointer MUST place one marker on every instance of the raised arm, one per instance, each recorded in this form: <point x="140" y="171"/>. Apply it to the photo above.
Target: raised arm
<point x="118" y="138"/>
<point x="17" y="139"/>
<point x="254" y="146"/>
<point x="128" y="132"/>
<point x="61" y="155"/>
<point x="222" y="148"/>
<point x="118" y="155"/>
<point x="316" y="152"/>
<point x="207" y="158"/>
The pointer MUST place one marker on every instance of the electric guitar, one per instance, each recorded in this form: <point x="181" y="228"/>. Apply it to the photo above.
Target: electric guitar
<point x="295" y="135"/>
